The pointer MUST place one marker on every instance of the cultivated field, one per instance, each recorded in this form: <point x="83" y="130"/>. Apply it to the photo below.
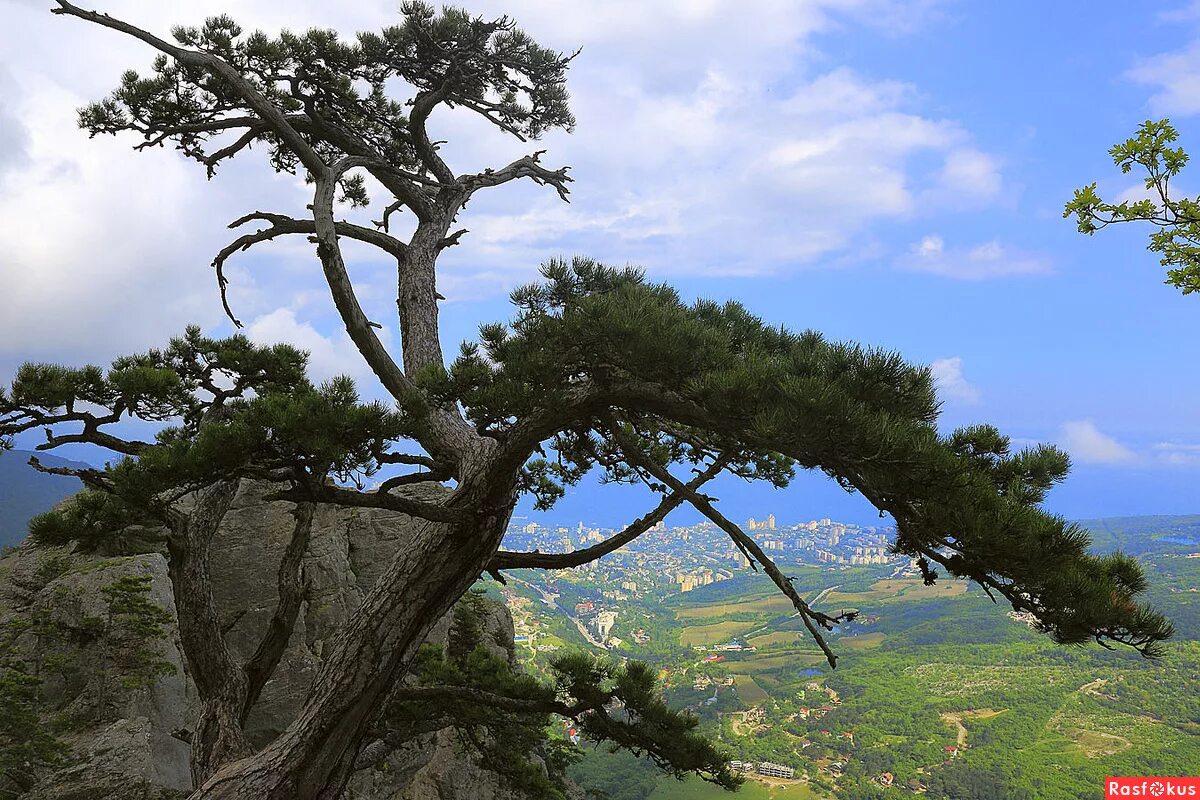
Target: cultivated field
<point x="750" y="692"/>
<point x="897" y="589"/>
<point x="772" y="605"/>
<point x="716" y="633"/>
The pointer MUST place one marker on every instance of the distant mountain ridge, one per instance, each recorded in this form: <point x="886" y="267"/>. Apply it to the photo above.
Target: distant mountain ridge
<point x="25" y="492"/>
<point x="1136" y="535"/>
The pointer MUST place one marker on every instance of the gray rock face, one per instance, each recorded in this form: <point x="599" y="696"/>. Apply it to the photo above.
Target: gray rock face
<point x="138" y="758"/>
<point x="435" y="767"/>
<point x="135" y="757"/>
<point x="121" y="761"/>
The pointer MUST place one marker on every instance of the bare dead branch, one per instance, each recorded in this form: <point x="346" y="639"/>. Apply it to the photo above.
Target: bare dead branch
<point x="282" y="225"/>
<point x="452" y="239"/>
<point x="525" y="167"/>
<point x="95" y="478"/>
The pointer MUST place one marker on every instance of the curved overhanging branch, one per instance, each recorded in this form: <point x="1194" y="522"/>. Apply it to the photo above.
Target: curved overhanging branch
<point x="513" y="560"/>
<point x="336" y="495"/>
<point x="500" y="702"/>
<point x="412" y="478"/>
<point x="745" y="543"/>
<point x="587" y="401"/>
<point x="426" y="697"/>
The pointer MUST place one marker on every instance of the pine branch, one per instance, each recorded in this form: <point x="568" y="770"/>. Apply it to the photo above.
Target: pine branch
<point x="746" y="543"/>
<point x="336" y="495"/>
<point x="511" y="560"/>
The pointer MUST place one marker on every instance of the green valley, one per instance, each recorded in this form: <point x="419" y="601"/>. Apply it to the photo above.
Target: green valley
<point x="938" y="691"/>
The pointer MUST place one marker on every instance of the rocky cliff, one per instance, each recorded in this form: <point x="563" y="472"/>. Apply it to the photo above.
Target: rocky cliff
<point x="139" y="751"/>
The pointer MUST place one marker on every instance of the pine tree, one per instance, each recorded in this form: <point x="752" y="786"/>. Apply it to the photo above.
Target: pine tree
<point x="599" y="371"/>
<point x="129" y="639"/>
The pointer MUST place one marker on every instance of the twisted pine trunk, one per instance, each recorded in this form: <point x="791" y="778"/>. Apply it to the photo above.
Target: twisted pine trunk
<point x="218" y="736"/>
<point x="314" y="758"/>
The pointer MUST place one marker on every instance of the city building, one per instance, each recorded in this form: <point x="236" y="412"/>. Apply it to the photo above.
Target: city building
<point x="767" y="524"/>
<point x="773" y="770"/>
<point x="604" y="623"/>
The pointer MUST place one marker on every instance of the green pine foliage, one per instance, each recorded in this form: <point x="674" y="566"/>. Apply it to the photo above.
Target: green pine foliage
<point x="235" y="408"/>
<point x="27" y="743"/>
<point x="615" y="705"/>
<point x="129" y="637"/>
<point x="513" y="745"/>
<point x="488" y="66"/>
<point x="702" y="378"/>
<point x="641" y="722"/>
<point x="93" y="522"/>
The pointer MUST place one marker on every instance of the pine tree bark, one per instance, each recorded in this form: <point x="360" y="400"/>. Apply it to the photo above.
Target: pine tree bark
<point x="314" y="758"/>
<point x="220" y="681"/>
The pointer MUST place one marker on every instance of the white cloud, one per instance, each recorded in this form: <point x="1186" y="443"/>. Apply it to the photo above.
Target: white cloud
<point x="727" y="177"/>
<point x="1188" y="13"/>
<point x="1175" y="77"/>
<point x="930" y="247"/>
<point x="1087" y="444"/>
<point x="710" y="140"/>
<point x="328" y="356"/>
<point x="971" y="175"/>
<point x="950" y="381"/>
<point x="1136" y="192"/>
<point x="14" y="136"/>
<point x="1177" y="453"/>
<point x="95" y="248"/>
<point x="979" y="262"/>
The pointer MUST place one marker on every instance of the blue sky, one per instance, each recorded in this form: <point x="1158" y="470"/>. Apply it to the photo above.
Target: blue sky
<point x="885" y="171"/>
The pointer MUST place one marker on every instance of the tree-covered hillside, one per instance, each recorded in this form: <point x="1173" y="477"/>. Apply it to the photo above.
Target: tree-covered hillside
<point x="938" y="690"/>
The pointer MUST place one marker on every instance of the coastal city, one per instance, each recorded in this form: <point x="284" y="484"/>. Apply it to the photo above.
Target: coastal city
<point x="669" y="560"/>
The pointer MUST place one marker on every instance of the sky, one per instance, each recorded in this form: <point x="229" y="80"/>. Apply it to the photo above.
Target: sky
<point x="886" y="171"/>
